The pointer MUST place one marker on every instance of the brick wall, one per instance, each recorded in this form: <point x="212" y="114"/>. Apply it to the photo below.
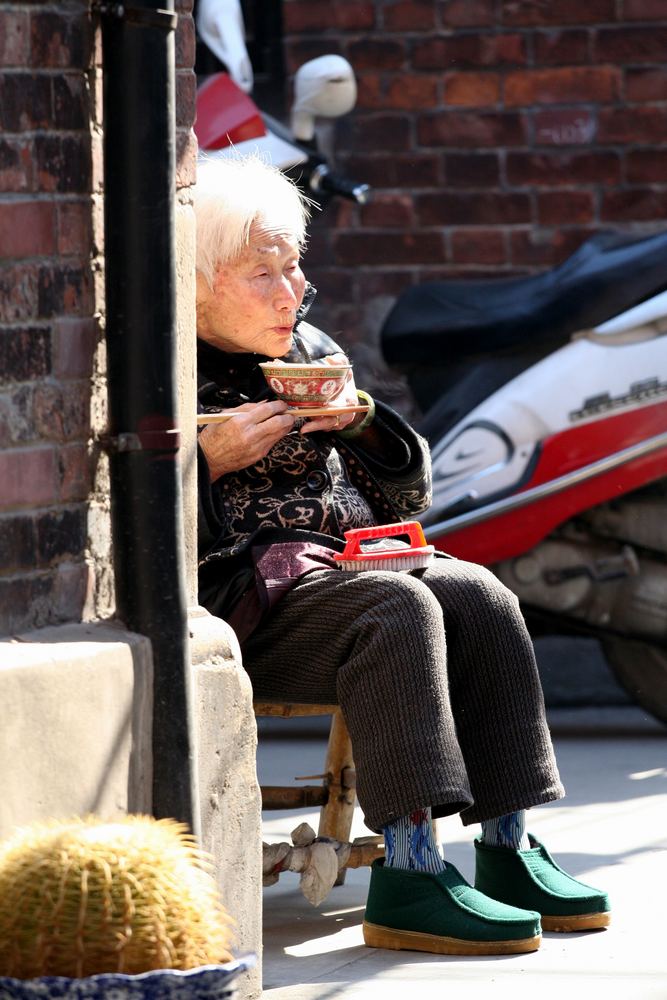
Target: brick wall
<point x="497" y="136"/>
<point x="54" y="499"/>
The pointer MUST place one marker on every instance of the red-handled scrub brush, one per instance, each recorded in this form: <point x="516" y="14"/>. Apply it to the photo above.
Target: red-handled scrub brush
<point x="380" y="547"/>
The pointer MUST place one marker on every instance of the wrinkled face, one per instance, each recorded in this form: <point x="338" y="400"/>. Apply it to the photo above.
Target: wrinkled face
<point x="253" y="303"/>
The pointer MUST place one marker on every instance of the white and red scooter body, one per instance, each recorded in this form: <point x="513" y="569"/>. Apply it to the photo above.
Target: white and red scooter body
<point x="586" y="424"/>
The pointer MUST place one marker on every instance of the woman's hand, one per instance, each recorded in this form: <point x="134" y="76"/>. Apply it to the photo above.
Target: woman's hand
<point x="245" y="438"/>
<point x="348" y="397"/>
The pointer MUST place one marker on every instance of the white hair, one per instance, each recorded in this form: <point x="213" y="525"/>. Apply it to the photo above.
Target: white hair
<point x="231" y="193"/>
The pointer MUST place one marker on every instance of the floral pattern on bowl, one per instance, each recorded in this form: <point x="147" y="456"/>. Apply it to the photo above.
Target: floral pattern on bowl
<point x="306" y="385"/>
<point x="208" y="982"/>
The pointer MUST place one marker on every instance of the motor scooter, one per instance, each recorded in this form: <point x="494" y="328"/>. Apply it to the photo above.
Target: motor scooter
<point x="229" y="122"/>
<point x="544" y="399"/>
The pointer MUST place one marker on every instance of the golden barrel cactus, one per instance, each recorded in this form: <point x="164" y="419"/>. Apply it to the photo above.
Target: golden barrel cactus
<point x="80" y="897"/>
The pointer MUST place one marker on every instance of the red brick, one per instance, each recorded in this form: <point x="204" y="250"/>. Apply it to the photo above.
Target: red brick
<point x="448" y="52"/>
<point x="412" y="170"/>
<point x="563" y="169"/>
<point x="559" y="48"/>
<point x="468" y="13"/>
<point x="63" y="163"/>
<point x="478" y="246"/>
<point x="318" y="15"/>
<point x="472" y="170"/>
<point x="15" y="165"/>
<point x="74" y="344"/>
<point x="27" y="477"/>
<point x="545" y="247"/>
<point x="645" y="10"/>
<point x="300" y="50"/>
<point x="371" y="91"/>
<point x="74" y="472"/>
<point x="559" y="12"/>
<point x="649" y="84"/>
<point x="376" y="54"/>
<point x="503" y="50"/>
<point x="555" y="86"/>
<point x="633" y="205"/>
<point x="555" y="208"/>
<point x="72" y="590"/>
<point x="26" y="603"/>
<point x="62" y="412"/>
<point x="646" y="166"/>
<point x="409" y="15"/>
<point x="25" y="353"/>
<point x="383" y="283"/>
<point x="358" y="249"/>
<point x="25" y="102"/>
<point x="16" y="423"/>
<point x="14" y="30"/>
<point x="58" y="40"/>
<point x="455" y="129"/>
<point x="64" y="289"/>
<point x="27" y="229"/>
<point x="630" y="45"/>
<point x="472" y="89"/>
<point x="186" y="92"/>
<point x="392" y="210"/>
<point x="480" y="209"/>
<point x="185" y="42"/>
<point x="366" y="133"/>
<point x="17" y="543"/>
<point x="71" y="101"/>
<point x="564" y="127"/>
<point x="413" y="91"/>
<point x="417" y="170"/>
<point x="61" y="534"/>
<point x="646" y="125"/>
<point x="18" y="292"/>
<point x="337" y="284"/>
<point x="74" y="228"/>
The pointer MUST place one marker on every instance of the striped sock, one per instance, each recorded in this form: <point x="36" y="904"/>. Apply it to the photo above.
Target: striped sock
<point x="506" y="831"/>
<point x="409" y="843"/>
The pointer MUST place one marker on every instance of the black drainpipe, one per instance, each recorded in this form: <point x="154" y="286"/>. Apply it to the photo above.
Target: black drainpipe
<point x="143" y="440"/>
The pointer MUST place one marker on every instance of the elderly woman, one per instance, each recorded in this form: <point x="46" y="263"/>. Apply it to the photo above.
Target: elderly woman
<point x="433" y="669"/>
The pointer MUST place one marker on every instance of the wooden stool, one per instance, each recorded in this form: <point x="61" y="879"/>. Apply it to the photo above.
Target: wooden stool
<point x="336" y="794"/>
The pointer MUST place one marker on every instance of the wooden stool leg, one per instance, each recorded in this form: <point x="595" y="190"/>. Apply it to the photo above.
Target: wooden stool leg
<point x="336" y="815"/>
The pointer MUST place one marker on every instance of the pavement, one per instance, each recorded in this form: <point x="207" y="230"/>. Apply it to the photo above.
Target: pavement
<point x="610" y="830"/>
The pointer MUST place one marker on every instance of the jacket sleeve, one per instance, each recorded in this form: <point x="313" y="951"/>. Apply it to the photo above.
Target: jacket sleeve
<point x="209" y="525"/>
<point x="398" y="459"/>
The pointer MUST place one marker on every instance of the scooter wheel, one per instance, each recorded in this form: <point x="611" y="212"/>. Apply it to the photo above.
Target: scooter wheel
<point x="641" y="668"/>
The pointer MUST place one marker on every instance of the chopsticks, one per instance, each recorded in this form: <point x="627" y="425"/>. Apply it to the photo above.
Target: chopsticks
<point x="313" y="411"/>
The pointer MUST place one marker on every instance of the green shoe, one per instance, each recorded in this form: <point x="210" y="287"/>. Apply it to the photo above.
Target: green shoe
<point x="443" y="914"/>
<point x="533" y="879"/>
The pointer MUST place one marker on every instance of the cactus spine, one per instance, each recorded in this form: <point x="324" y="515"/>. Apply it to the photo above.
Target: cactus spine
<point x="80" y="897"/>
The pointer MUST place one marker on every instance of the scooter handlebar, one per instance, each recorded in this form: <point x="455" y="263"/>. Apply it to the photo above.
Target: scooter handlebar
<point x="322" y="180"/>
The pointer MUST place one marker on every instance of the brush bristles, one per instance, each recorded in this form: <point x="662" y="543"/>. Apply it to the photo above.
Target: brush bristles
<point x="82" y="897"/>
<point x="397" y="563"/>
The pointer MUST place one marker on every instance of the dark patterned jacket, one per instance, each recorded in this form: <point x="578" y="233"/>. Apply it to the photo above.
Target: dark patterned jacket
<point x="264" y="526"/>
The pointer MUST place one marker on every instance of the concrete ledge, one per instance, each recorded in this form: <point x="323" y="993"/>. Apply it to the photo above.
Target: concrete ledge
<point x="76" y="723"/>
<point x="229" y="794"/>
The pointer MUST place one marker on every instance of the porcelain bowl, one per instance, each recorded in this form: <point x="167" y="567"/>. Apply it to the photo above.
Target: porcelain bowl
<point x="305" y="385"/>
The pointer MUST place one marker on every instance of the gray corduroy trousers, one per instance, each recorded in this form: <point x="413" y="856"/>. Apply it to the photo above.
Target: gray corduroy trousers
<point x="435" y="674"/>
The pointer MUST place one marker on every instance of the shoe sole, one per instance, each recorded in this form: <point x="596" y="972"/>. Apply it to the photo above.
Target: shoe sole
<point x="376" y="936"/>
<point x="579" y="922"/>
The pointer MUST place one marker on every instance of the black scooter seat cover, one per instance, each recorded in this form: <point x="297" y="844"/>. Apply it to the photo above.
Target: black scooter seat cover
<point x="608" y="274"/>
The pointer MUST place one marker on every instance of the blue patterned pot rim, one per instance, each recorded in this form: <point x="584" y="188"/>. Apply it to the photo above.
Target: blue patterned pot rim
<point x="207" y="982"/>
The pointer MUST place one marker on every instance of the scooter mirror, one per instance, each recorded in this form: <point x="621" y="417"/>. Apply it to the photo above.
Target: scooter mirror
<point x="323" y="88"/>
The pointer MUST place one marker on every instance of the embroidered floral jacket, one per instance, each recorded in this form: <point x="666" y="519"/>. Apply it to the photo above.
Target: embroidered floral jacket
<point x="260" y="528"/>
